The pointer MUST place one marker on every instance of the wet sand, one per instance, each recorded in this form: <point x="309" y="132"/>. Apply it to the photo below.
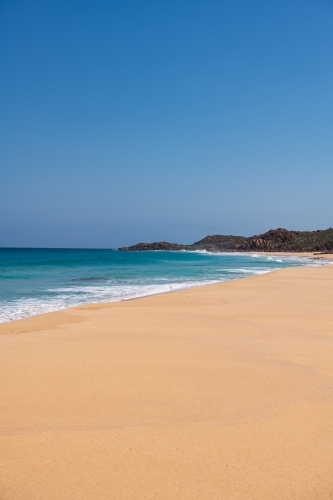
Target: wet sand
<point x="217" y="392"/>
<point x="311" y="255"/>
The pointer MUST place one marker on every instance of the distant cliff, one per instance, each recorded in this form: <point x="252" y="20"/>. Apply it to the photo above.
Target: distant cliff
<point x="275" y="240"/>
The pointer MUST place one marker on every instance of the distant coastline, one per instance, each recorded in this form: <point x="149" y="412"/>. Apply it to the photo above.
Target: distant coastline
<point x="274" y="240"/>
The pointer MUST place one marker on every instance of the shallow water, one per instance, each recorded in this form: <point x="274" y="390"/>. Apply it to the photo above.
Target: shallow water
<point x="35" y="281"/>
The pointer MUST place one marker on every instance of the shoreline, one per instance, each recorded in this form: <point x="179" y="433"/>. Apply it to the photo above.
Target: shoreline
<point x="311" y="256"/>
<point x="217" y="391"/>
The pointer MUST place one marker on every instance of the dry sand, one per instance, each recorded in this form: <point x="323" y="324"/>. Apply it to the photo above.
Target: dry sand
<point x="218" y="392"/>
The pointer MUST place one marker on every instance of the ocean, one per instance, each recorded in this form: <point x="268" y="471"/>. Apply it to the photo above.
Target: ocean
<point x="36" y="281"/>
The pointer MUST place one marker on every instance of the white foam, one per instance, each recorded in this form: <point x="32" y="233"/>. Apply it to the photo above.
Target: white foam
<point x="75" y="296"/>
<point x="249" y="271"/>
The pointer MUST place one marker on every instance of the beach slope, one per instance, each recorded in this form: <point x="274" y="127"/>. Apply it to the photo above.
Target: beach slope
<point x="218" y="392"/>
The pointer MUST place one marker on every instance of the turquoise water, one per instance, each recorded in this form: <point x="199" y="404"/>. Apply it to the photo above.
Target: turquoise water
<point x="35" y="281"/>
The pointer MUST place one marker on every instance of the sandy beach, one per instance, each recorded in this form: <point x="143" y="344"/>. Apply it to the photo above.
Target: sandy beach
<point x="311" y="255"/>
<point x="217" y="392"/>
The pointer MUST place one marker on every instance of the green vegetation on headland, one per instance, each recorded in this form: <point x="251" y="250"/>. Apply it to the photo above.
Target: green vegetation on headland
<point x="275" y="240"/>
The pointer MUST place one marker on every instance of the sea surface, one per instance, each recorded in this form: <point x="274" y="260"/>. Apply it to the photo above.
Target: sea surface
<point x="35" y="281"/>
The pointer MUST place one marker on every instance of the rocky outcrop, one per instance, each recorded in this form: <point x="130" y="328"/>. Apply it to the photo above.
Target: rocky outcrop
<point x="275" y="240"/>
<point x="272" y="241"/>
<point x="326" y="247"/>
<point x="158" y="245"/>
<point x="218" y="243"/>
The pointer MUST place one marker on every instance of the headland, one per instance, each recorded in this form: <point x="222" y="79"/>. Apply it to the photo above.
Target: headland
<point x="274" y="240"/>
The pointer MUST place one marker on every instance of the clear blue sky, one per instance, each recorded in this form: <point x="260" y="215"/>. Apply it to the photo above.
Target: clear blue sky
<point x="126" y="121"/>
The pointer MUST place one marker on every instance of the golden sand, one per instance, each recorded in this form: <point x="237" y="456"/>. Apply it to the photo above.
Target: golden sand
<point x="218" y="392"/>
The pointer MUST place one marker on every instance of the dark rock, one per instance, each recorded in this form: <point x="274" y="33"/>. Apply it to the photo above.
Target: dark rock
<point x="275" y="240"/>
<point x="159" y="245"/>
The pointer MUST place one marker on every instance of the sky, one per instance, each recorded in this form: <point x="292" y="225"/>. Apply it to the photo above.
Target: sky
<point x="129" y="121"/>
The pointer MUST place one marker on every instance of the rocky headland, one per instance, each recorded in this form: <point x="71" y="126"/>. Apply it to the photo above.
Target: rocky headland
<point x="275" y="240"/>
